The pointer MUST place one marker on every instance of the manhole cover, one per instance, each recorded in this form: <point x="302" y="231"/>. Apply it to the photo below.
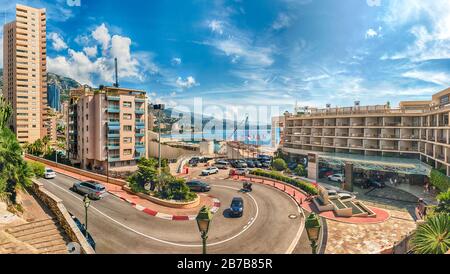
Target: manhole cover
<point x="293" y="216"/>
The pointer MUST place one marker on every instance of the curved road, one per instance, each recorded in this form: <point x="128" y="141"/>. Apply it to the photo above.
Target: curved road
<point x="119" y="228"/>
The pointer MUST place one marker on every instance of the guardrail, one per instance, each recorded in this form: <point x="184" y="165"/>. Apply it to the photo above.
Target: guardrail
<point x="55" y="204"/>
<point x="92" y="175"/>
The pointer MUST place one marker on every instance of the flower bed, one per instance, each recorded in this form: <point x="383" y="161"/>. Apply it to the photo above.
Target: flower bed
<point x="168" y="203"/>
<point x="305" y="186"/>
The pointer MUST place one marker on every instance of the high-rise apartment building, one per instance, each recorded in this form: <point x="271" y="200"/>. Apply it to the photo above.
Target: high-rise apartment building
<point x="374" y="135"/>
<point x="25" y="72"/>
<point x="107" y="128"/>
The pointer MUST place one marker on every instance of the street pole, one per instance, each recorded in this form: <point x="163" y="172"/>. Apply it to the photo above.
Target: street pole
<point x="204" y="238"/>
<point x="86" y="221"/>
<point x="314" y="247"/>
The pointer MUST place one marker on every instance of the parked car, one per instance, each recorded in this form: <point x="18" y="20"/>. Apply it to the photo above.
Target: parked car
<point x="93" y="189"/>
<point x="345" y="196"/>
<point x="258" y="164"/>
<point x="250" y="164"/>
<point x="221" y="164"/>
<point x="336" y="178"/>
<point x="198" y="186"/>
<point x="237" y="207"/>
<point x="82" y="229"/>
<point x="376" y="183"/>
<point x="241" y="171"/>
<point x="49" y="173"/>
<point x="266" y="164"/>
<point x="209" y="171"/>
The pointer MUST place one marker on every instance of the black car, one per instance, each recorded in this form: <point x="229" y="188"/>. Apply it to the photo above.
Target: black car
<point x="250" y="164"/>
<point x="198" y="186"/>
<point x="266" y="164"/>
<point x="258" y="164"/>
<point x="82" y="229"/>
<point x="237" y="207"/>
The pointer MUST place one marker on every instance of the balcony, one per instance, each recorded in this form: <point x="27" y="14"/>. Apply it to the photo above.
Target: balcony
<point x="140" y="100"/>
<point x="113" y="135"/>
<point x="113" y="98"/>
<point x="372" y="147"/>
<point x="113" y="158"/>
<point x="140" y="144"/>
<point x="140" y="111"/>
<point x="114" y="123"/>
<point x="388" y="148"/>
<point x="140" y="134"/>
<point x="113" y="109"/>
<point x="113" y="146"/>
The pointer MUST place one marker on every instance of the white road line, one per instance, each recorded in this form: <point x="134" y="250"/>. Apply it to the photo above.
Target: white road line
<point x="299" y="232"/>
<point x="154" y="238"/>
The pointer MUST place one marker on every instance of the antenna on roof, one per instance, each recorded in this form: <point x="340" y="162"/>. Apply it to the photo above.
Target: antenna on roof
<point x="116" y="74"/>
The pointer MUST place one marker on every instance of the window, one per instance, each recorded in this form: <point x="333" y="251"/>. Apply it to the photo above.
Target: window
<point x="127" y="128"/>
<point x="87" y="117"/>
<point x="127" y="152"/>
<point x="127" y="104"/>
<point x="127" y="140"/>
<point x="127" y="116"/>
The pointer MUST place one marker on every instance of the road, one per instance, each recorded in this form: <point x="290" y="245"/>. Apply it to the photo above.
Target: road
<point x="117" y="227"/>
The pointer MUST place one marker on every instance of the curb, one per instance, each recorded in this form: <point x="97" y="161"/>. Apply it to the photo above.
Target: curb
<point x="165" y="216"/>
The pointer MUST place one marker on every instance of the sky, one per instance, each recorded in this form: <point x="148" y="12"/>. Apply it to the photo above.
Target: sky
<point x="253" y="53"/>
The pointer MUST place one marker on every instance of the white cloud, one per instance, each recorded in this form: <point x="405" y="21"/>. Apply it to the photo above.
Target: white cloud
<point x="242" y="49"/>
<point x="91" y="51"/>
<point x="176" y="61"/>
<point x="371" y="33"/>
<point x="432" y="41"/>
<point x="101" y="34"/>
<point x="189" y="82"/>
<point x="57" y="42"/>
<point x="438" y="78"/>
<point x="216" y="26"/>
<point x="282" y="21"/>
<point x="84" y="67"/>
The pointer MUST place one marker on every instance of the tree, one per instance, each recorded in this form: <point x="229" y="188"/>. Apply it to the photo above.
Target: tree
<point x="433" y="237"/>
<point x="279" y="164"/>
<point x="444" y="203"/>
<point x="14" y="171"/>
<point x="301" y="171"/>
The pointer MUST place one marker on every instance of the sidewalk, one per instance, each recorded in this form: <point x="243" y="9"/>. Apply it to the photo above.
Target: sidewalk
<point x="149" y="207"/>
<point x="299" y="197"/>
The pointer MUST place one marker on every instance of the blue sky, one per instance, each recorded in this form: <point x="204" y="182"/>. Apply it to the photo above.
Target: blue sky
<point x="239" y="52"/>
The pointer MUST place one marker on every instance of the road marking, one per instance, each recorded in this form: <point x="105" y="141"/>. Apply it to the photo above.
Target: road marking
<point x="154" y="238"/>
<point x="299" y="232"/>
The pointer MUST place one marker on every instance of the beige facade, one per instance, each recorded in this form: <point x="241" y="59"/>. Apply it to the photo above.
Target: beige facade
<point x="107" y="126"/>
<point x="417" y="129"/>
<point x="25" y="72"/>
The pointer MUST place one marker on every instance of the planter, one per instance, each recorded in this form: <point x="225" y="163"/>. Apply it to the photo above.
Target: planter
<point x="167" y="203"/>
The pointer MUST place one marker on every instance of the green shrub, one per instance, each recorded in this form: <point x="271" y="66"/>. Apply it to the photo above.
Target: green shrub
<point x="279" y="164"/>
<point x="38" y="169"/>
<point x="305" y="186"/>
<point x="444" y="202"/>
<point x="440" y="180"/>
<point x="176" y="189"/>
<point x="301" y="171"/>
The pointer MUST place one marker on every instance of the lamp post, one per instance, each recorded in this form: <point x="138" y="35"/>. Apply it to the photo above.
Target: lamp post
<point x="87" y="203"/>
<point x="203" y="219"/>
<point x="313" y="227"/>
<point x="159" y="108"/>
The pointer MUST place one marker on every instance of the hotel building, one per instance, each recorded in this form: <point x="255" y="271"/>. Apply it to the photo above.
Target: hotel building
<point x="107" y="128"/>
<point x="25" y="72"/>
<point x="412" y="138"/>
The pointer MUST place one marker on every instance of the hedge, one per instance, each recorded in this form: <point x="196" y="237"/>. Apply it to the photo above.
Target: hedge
<point x="38" y="169"/>
<point x="440" y="180"/>
<point x="307" y="187"/>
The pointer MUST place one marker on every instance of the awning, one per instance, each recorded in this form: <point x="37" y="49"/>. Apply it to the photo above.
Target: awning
<point x="111" y="127"/>
<point x="378" y="163"/>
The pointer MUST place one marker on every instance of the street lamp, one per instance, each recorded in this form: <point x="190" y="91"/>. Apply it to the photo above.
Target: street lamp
<point x="313" y="227"/>
<point x="87" y="203"/>
<point x="160" y="108"/>
<point x="203" y="219"/>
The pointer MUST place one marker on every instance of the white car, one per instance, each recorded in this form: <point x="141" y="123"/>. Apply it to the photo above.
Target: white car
<point x="336" y="178"/>
<point x="49" y="173"/>
<point x="242" y="171"/>
<point x="209" y="171"/>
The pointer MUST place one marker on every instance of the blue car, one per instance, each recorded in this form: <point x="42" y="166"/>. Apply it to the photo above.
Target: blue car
<point x="89" y="238"/>
<point x="237" y="207"/>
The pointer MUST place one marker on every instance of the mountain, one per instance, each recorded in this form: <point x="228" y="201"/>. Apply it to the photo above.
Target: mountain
<point x="55" y="82"/>
<point x="62" y="84"/>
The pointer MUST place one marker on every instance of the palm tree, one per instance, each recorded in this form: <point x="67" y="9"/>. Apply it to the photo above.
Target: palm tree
<point x="433" y="237"/>
<point x="14" y="171"/>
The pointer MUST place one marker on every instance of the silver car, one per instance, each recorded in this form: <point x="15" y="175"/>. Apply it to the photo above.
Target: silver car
<point x="93" y="189"/>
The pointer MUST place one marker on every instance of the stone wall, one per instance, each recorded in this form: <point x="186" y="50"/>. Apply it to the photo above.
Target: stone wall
<point x="92" y="175"/>
<point x="56" y="206"/>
